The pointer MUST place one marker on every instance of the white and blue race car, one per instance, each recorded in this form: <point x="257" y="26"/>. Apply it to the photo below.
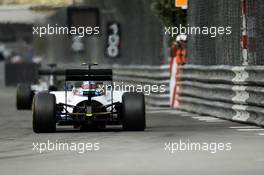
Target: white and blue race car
<point x="26" y="92"/>
<point x="88" y="106"/>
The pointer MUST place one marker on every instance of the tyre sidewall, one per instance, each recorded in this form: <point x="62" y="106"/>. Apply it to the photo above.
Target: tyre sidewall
<point x="44" y="113"/>
<point x="24" y="97"/>
<point x="133" y="111"/>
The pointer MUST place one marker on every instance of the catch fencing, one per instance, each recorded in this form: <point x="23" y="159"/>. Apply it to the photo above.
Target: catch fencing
<point x="245" y="46"/>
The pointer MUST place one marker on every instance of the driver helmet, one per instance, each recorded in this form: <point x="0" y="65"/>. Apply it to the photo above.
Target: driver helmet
<point x="89" y="85"/>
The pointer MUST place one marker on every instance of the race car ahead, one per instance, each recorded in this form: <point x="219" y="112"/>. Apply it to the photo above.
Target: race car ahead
<point x="89" y="105"/>
<point x="26" y="92"/>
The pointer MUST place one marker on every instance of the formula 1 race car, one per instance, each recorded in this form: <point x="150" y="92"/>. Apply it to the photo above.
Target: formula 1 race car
<point x="89" y="105"/>
<point x="26" y="92"/>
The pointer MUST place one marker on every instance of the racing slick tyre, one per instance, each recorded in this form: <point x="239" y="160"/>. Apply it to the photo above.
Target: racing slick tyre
<point x="44" y="113"/>
<point x="24" y="97"/>
<point x="133" y="111"/>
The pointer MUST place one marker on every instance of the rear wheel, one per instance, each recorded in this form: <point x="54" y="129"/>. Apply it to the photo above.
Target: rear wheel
<point x="24" y="97"/>
<point x="133" y="111"/>
<point x="44" y="113"/>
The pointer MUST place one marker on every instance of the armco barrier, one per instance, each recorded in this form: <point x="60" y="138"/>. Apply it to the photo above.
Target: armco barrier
<point x="233" y="93"/>
<point x="145" y="75"/>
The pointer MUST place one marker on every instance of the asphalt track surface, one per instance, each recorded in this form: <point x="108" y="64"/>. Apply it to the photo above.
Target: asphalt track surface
<point x="130" y="152"/>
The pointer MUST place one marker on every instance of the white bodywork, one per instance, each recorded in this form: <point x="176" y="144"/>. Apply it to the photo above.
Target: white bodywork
<point x="74" y="99"/>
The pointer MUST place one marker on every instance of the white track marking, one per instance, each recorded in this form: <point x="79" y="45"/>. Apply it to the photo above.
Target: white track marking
<point x="208" y="119"/>
<point x="248" y="129"/>
<point x="179" y="113"/>
<point x="251" y="129"/>
<point x="215" y="121"/>
<point x="163" y="111"/>
<point x="243" y="127"/>
<point x="261" y="134"/>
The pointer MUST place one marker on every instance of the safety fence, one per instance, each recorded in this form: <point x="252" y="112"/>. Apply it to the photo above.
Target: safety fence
<point x="233" y="93"/>
<point x="243" y="47"/>
<point x="222" y="49"/>
<point x="146" y="76"/>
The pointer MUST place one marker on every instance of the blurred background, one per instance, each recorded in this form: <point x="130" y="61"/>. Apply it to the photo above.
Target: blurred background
<point x="140" y="30"/>
<point x="140" y="33"/>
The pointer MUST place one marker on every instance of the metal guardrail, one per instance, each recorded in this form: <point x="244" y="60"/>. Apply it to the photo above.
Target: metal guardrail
<point x="225" y="74"/>
<point x="233" y="93"/>
<point x="146" y="75"/>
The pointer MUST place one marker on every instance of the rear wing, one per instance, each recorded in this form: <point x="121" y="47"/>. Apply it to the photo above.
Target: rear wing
<point x="88" y="75"/>
<point x="80" y="74"/>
